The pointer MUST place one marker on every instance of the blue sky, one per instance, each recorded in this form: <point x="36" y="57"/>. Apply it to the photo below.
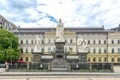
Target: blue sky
<point x="74" y="13"/>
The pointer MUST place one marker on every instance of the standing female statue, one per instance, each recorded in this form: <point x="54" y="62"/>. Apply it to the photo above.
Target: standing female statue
<point x="60" y="31"/>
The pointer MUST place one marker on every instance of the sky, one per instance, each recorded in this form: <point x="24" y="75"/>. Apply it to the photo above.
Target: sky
<point x="74" y="13"/>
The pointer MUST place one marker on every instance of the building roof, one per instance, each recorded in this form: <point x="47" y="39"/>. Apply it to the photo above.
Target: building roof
<point x="42" y="30"/>
<point x="116" y="28"/>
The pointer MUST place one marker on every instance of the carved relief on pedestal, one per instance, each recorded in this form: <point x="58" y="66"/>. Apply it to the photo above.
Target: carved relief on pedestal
<point x="81" y="44"/>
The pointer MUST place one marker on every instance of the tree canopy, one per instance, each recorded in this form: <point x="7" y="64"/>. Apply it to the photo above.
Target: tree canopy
<point x="8" y="46"/>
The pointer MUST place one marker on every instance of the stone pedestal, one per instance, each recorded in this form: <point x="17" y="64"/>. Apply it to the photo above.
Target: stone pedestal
<point x="59" y="50"/>
<point x="59" y="63"/>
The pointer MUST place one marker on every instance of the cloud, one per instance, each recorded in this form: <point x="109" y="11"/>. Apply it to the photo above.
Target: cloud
<point x="74" y="13"/>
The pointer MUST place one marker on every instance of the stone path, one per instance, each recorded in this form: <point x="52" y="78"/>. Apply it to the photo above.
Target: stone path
<point x="62" y="79"/>
<point x="37" y="76"/>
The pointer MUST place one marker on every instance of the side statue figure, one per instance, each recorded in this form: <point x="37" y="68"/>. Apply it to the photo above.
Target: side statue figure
<point x="82" y="44"/>
<point x="37" y="42"/>
<point x="60" y="32"/>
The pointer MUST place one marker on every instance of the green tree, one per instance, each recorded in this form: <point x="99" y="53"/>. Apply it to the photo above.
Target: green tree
<point x="8" y="46"/>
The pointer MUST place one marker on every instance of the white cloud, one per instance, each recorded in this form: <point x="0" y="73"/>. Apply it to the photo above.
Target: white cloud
<point x="74" y="13"/>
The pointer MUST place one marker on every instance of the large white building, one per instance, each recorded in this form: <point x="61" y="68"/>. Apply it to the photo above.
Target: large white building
<point x="102" y="45"/>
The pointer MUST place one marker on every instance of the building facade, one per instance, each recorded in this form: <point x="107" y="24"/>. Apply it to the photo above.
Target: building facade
<point x="102" y="45"/>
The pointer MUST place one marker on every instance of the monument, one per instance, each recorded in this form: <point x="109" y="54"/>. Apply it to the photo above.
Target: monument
<point x="59" y="63"/>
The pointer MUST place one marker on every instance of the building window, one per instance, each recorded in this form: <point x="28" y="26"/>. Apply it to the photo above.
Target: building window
<point x="118" y="50"/>
<point x="119" y="59"/>
<point x="31" y="41"/>
<point x="42" y="41"/>
<point x="99" y="42"/>
<point x="65" y="50"/>
<point x="118" y="41"/>
<point x="94" y="51"/>
<point x="94" y="59"/>
<point x="99" y="59"/>
<point x="26" y="59"/>
<point x="32" y="50"/>
<point x="105" y="59"/>
<point x="99" y="51"/>
<point x="49" y="41"/>
<point x="49" y="50"/>
<point x="65" y="41"/>
<point x="21" y="50"/>
<point x="26" y="50"/>
<point x="88" y="58"/>
<point x="88" y="41"/>
<point x="112" y="41"/>
<point x="26" y="41"/>
<point x="71" y="41"/>
<point x="88" y="50"/>
<point x="105" y="51"/>
<point x="112" y="59"/>
<point x="94" y="42"/>
<point x="42" y="50"/>
<point x="54" y="49"/>
<point x="104" y="41"/>
<point x="21" y="42"/>
<point x="112" y="50"/>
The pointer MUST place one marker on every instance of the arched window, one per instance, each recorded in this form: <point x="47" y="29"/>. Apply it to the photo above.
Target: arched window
<point x="99" y="42"/>
<point x="49" y="50"/>
<point x="99" y="51"/>
<point x="112" y="59"/>
<point x="94" y="42"/>
<point x="118" y="41"/>
<point x="42" y="41"/>
<point x="105" y="51"/>
<point x="65" y="41"/>
<point x="49" y="41"/>
<point x="105" y="59"/>
<point x="21" y="42"/>
<point x="118" y="50"/>
<point x="21" y="50"/>
<point x="32" y="50"/>
<point x="112" y="50"/>
<point x="26" y="41"/>
<point x="112" y="42"/>
<point x="89" y="50"/>
<point x="71" y="41"/>
<point x="104" y="41"/>
<point x="26" y="50"/>
<point x="119" y="59"/>
<point x="31" y="41"/>
<point x="42" y="50"/>
<point x="54" y="49"/>
<point x="99" y="59"/>
<point x="94" y="59"/>
<point x="94" y="51"/>
<point x="88" y="58"/>
<point x="26" y="59"/>
<point x="88" y="41"/>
